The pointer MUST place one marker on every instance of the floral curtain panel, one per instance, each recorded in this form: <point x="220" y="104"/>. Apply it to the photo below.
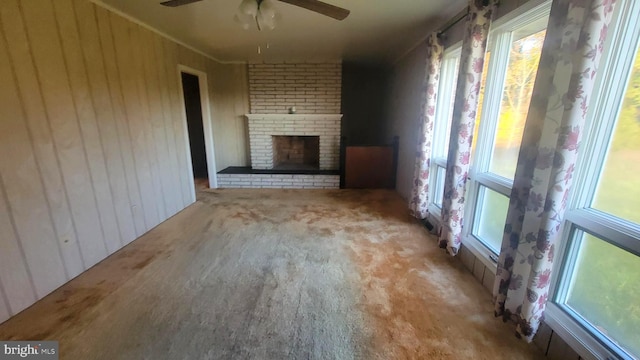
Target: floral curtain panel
<point x="465" y="106"/>
<point x="420" y="194"/>
<point x="568" y="64"/>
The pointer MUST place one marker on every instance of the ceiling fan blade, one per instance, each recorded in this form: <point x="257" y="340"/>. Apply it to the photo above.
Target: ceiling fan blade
<point x="174" y="3"/>
<point x="320" y="7"/>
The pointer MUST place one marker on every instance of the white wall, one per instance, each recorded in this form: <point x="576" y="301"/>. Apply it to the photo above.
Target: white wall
<point x="404" y="111"/>
<point x="93" y="146"/>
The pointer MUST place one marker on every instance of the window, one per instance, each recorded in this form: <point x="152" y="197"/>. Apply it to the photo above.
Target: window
<point x="483" y="85"/>
<point x="603" y="290"/>
<point x="524" y="56"/>
<point x="492" y="211"/>
<point x="511" y="64"/>
<point x="597" y="290"/>
<point x="442" y="125"/>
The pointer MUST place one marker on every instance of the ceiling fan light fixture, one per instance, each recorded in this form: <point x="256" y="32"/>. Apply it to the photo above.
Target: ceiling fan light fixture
<point x="266" y="21"/>
<point x="244" y="20"/>
<point x="262" y="13"/>
<point x="267" y="8"/>
<point x="249" y="7"/>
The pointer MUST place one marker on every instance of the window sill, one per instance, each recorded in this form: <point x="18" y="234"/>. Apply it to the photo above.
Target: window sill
<point x="481" y="253"/>
<point x="478" y="250"/>
<point x="435" y="211"/>
<point x="579" y="339"/>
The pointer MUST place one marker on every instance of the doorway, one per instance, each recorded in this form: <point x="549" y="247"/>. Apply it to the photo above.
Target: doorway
<point x="195" y="96"/>
<point x="195" y="128"/>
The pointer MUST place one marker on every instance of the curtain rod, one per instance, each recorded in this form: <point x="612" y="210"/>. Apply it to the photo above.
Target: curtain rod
<point x="454" y="22"/>
<point x="462" y="16"/>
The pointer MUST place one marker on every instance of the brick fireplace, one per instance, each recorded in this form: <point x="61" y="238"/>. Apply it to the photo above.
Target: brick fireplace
<point x="263" y="126"/>
<point x="291" y="150"/>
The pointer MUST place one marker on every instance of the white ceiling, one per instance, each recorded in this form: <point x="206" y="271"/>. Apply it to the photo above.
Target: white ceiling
<point x="375" y="31"/>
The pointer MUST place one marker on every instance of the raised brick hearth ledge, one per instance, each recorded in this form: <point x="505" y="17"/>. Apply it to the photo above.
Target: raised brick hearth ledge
<point x="248" y="170"/>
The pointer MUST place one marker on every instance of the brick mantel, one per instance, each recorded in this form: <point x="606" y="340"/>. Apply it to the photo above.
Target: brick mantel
<point x="294" y="117"/>
<point x="263" y="126"/>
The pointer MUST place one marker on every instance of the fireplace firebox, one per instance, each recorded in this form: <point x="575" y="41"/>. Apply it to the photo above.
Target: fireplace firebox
<point x="292" y="152"/>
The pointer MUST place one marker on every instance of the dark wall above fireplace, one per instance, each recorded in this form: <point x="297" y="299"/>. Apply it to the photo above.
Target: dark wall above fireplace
<point x="364" y="94"/>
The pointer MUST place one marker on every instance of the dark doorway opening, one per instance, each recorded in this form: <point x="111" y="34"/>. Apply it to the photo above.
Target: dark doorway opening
<point x="193" y="108"/>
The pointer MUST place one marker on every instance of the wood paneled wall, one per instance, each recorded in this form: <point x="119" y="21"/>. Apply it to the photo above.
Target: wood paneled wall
<point x="229" y="91"/>
<point x="93" y="145"/>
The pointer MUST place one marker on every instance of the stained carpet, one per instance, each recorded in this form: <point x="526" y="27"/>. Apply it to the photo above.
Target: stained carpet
<point x="276" y="274"/>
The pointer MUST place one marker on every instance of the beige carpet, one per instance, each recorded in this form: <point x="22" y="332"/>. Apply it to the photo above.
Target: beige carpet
<point x="276" y="274"/>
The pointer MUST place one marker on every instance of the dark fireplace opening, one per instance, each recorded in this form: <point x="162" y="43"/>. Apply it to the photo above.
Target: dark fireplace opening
<point x="296" y="152"/>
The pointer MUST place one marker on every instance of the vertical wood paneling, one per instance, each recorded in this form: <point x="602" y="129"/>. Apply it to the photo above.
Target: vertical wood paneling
<point x="121" y="116"/>
<point x="467" y="258"/>
<point x="93" y="139"/>
<point x="156" y="108"/>
<point x="37" y="121"/>
<point x="171" y="58"/>
<point x="24" y="189"/>
<point x="128" y="82"/>
<point x="90" y="44"/>
<point x="86" y="113"/>
<point x="172" y="157"/>
<point x="16" y="284"/>
<point x="4" y="308"/>
<point x="229" y="126"/>
<point x="543" y="337"/>
<point x="54" y="82"/>
<point x="146" y="129"/>
<point x="488" y="279"/>
<point x="169" y="86"/>
<point x="241" y="106"/>
<point x="478" y="270"/>
<point x="560" y="350"/>
<point x="190" y="59"/>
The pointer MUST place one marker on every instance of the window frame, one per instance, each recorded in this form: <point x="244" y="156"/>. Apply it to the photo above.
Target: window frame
<point x="442" y="121"/>
<point x="621" y="47"/>
<point x="500" y="40"/>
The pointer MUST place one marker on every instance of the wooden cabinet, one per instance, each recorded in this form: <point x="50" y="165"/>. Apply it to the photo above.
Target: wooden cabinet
<point x="369" y="167"/>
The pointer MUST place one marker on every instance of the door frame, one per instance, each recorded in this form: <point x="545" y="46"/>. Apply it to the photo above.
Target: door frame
<point x="206" y="125"/>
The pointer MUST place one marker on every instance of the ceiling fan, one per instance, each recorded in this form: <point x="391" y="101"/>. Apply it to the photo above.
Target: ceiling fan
<point x="319" y="7"/>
